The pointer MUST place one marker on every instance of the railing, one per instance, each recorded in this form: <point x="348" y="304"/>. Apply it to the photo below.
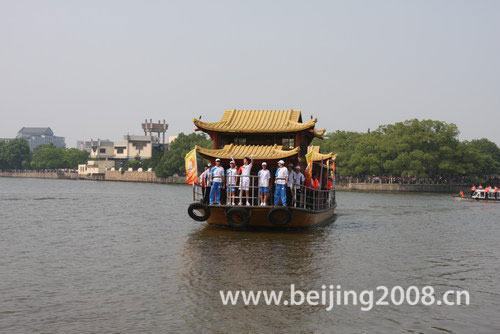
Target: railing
<point x="245" y="190"/>
<point x="313" y="199"/>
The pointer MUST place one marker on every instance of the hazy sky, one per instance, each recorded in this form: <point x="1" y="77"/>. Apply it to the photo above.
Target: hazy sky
<point x="97" y="69"/>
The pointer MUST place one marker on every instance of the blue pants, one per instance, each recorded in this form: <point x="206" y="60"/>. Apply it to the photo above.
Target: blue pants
<point x="280" y="192"/>
<point x="216" y="186"/>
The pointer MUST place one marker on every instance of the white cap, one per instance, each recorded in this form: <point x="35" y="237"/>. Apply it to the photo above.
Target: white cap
<point x="232" y="162"/>
<point x="297" y="167"/>
<point x="281" y="162"/>
<point x="217" y="159"/>
<point x="264" y="163"/>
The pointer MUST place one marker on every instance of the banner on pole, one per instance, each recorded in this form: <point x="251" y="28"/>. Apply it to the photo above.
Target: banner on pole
<point x="191" y="167"/>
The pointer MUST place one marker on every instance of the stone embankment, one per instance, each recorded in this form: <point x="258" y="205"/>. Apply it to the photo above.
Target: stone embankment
<point x="146" y="177"/>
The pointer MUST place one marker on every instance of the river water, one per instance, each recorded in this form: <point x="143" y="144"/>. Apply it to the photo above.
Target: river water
<point x="101" y="257"/>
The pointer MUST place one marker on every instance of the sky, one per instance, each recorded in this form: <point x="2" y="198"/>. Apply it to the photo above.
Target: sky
<point x="97" y="69"/>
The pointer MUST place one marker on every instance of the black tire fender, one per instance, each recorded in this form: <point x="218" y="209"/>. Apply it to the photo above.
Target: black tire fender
<point x="238" y="217"/>
<point x="280" y="216"/>
<point x="199" y="207"/>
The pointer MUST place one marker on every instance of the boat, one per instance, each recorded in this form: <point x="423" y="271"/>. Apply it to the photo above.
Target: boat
<point x="269" y="136"/>
<point x="480" y="195"/>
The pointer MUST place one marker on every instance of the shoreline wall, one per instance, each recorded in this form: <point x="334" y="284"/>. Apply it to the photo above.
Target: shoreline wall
<point x="144" y="177"/>
<point x="148" y="177"/>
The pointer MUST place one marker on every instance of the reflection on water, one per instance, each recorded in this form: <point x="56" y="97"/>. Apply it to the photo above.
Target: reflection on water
<point x="116" y="257"/>
<point x="221" y="259"/>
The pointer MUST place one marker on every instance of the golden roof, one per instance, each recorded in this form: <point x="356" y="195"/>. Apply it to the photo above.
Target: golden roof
<point x="316" y="156"/>
<point x="258" y="152"/>
<point x="260" y="121"/>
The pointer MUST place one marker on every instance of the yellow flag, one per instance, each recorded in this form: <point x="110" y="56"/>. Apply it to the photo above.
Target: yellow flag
<point x="308" y="171"/>
<point x="309" y="157"/>
<point x="191" y="167"/>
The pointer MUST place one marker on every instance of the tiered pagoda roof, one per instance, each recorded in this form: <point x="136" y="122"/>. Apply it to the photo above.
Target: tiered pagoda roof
<point x="258" y="152"/>
<point x="260" y="121"/>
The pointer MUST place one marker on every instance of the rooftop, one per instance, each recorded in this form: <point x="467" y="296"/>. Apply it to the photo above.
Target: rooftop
<point x="35" y="131"/>
<point x="260" y="121"/>
<point x="258" y="152"/>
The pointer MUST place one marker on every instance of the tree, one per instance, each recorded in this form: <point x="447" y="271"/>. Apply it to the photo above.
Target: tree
<point x="421" y="148"/>
<point x="172" y="161"/>
<point x="48" y="157"/>
<point x="15" y="154"/>
<point x="3" y="162"/>
<point x="73" y="157"/>
<point x="135" y="164"/>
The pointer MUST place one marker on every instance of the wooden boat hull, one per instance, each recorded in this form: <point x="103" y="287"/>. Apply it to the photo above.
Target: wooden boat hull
<point x="483" y="200"/>
<point x="300" y="218"/>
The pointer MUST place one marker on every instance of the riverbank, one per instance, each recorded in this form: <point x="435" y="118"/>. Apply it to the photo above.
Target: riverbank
<point x="147" y="177"/>
<point x="143" y="177"/>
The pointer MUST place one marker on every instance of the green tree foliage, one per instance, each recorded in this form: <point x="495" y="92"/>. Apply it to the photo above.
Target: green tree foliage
<point x="50" y="157"/>
<point x="172" y="161"/>
<point x="73" y="157"/>
<point x="422" y="148"/>
<point x="135" y="164"/>
<point x="15" y="154"/>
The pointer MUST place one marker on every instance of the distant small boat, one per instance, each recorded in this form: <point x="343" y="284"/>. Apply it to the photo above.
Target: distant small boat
<point x="480" y="195"/>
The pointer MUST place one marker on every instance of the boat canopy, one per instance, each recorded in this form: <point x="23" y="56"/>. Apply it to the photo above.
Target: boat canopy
<point x="259" y="152"/>
<point x="260" y="121"/>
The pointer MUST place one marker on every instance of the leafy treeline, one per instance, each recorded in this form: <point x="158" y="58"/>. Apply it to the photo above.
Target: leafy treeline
<point x="421" y="148"/>
<point x="50" y="157"/>
<point x="16" y="155"/>
<point x="172" y="162"/>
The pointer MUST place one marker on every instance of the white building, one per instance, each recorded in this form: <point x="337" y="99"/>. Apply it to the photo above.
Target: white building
<point x="95" y="167"/>
<point x="131" y="148"/>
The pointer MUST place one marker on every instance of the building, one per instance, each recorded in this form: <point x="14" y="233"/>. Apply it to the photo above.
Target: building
<point x="102" y="149"/>
<point x="5" y="140"/>
<point x="83" y="145"/>
<point x="40" y="136"/>
<point x="94" y="167"/>
<point x="132" y="147"/>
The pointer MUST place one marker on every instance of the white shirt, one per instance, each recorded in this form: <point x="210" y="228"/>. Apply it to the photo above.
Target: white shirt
<point x="206" y="176"/>
<point x="217" y="174"/>
<point x="246" y="169"/>
<point x="281" y="174"/>
<point x="231" y="178"/>
<point x="264" y="176"/>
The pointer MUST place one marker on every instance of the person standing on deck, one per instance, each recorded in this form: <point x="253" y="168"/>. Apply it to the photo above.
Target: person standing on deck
<point x="281" y="181"/>
<point x="264" y="177"/>
<point x="495" y="191"/>
<point x="217" y="178"/>
<point x="298" y="181"/>
<point x="231" y="178"/>
<point x="245" y="178"/>
<point x="205" y="184"/>
<point x="289" y="185"/>
<point x="472" y="190"/>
